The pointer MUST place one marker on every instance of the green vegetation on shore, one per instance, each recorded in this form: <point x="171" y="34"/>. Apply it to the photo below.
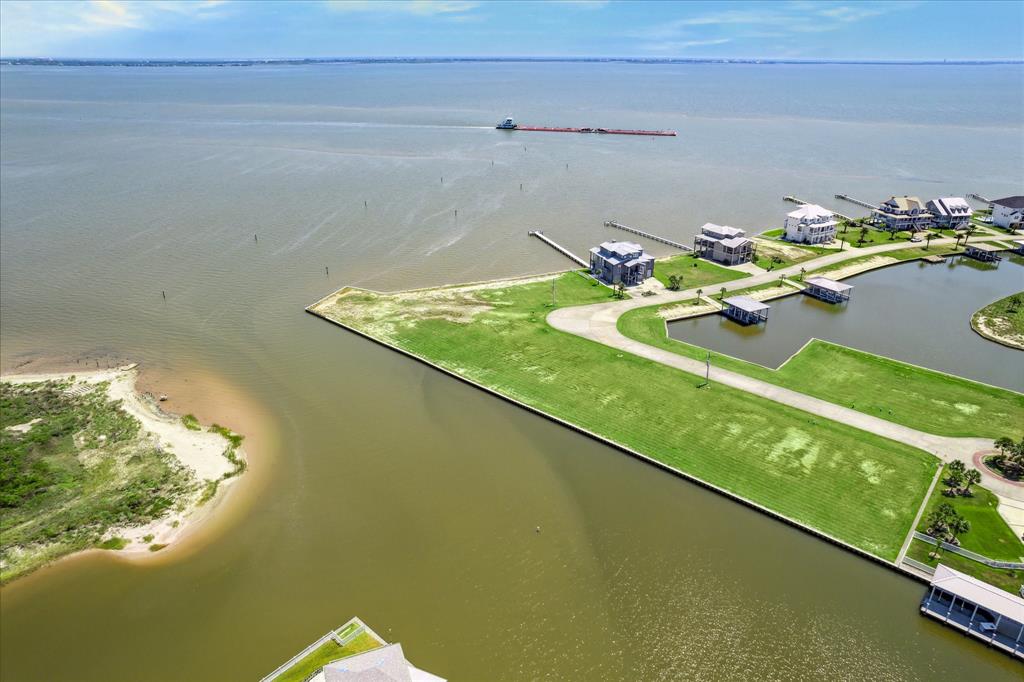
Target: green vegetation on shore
<point x="920" y="398"/>
<point x="694" y="271"/>
<point x="1002" y="321"/>
<point x="326" y="653"/>
<point x="855" y="486"/>
<point x="1005" y="579"/>
<point x="72" y="467"/>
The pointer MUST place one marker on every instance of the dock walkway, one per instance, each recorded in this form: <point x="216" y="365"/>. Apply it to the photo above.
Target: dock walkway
<point x="557" y="247"/>
<point x="648" y="235"/>
<point x="801" y="202"/>
<point x="846" y="197"/>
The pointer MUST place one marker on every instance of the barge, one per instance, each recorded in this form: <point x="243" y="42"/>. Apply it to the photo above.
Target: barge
<point x="510" y="124"/>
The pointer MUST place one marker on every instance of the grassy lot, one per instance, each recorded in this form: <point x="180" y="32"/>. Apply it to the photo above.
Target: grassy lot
<point x="913" y="396"/>
<point x="989" y="535"/>
<point x="326" y="653"/>
<point x="1003" y="319"/>
<point x="850" y="484"/>
<point x="82" y="468"/>
<point x="1001" y="578"/>
<point x="694" y="271"/>
<point x="771" y="256"/>
<point x="872" y="238"/>
<point x="772" y="234"/>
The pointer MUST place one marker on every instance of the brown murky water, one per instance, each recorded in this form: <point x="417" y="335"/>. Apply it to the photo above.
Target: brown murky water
<point x="380" y="488"/>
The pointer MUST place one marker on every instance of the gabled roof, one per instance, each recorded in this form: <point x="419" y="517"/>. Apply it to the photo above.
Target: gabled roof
<point x="723" y="230"/>
<point x="905" y="203"/>
<point x="386" y="664"/>
<point x="1010" y="202"/>
<point x="950" y="206"/>
<point x="979" y="592"/>
<point x="621" y="249"/>
<point x="811" y="211"/>
<point x="733" y="242"/>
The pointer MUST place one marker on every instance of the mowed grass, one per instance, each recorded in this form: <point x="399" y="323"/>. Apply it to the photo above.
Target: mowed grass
<point x="847" y="483"/>
<point x="694" y="271"/>
<point x="1004" y="579"/>
<point x="326" y="653"/>
<point x="920" y="398"/>
<point x="989" y="535"/>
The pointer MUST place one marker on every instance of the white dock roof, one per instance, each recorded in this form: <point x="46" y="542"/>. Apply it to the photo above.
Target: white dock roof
<point x="830" y="284"/>
<point x="985" y="247"/>
<point x="746" y="303"/>
<point x="979" y="592"/>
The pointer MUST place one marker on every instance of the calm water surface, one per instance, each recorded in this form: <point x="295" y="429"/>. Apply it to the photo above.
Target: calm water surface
<point x="391" y="492"/>
<point x="915" y="312"/>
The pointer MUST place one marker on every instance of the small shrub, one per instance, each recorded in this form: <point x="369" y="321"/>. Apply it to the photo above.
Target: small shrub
<point x="191" y="423"/>
<point x="156" y="548"/>
<point x="147" y="538"/>
<point x="114" y="543"/>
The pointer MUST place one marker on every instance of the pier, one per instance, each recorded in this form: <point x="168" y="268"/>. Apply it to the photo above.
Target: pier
<point x="557" y="247"/>
<point x="978" y="197"/>
<point x="647" y="235"/>
<point x="800" y="202"/>
<point x="986" y="253"/>
<point x="846" y="197"/>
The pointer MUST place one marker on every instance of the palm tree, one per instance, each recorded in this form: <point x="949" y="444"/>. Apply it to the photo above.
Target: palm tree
<point x="928" y="237"/>
<point x="722" y="292"/>
<point x="958" y="525"/>
<point x="972" y="477"/>
<point x="699" y="293"/>
<point x="803" y="271"/>
<point x="863" y="234"/>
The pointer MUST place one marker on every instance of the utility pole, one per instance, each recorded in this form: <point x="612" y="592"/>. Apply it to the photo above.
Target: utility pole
<point x="553" y="291"/>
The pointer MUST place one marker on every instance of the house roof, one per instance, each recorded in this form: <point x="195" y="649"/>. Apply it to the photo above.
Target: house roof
<point x="723" y="230"/>
<point x="621" y="249"/>
<point x="386" y="664"/>
<point x="984" y="247"/>
<point x="979" y="592"/>
<point x="905" y="203"/>
<point x="1010" y="202"/>
<point x="733" y="242"/>
<point x="811" y="211"/>
<point x="830" y="284"/>
<point x="746" y="303"/>
<point x="950" y="206"/>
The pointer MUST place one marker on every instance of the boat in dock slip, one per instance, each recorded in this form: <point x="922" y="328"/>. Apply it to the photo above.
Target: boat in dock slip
<point x="510" y="124"/>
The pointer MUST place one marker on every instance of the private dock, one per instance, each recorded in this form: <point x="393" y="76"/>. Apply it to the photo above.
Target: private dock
<point x="978" y="197"/>
<point x="827" y="290"/>
<point x="847" y="197"/>
<point x="560" y="249"/>
<point x="800" y="202"/>
<point x="977" y="609"/>
<point x="745" y="310"/>
<point x="647" y="235"/>
<point x="1018" y="246"/>
<point x="987" y="253"/>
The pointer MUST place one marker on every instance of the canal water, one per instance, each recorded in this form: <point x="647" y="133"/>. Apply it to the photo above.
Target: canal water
<point x="378" y="487"/>
<point x="915" y="312"/>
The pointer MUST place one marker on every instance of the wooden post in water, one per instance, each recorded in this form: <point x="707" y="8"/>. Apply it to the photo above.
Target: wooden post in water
<point x="327" y="271"/>
<point x="164" y="294"/>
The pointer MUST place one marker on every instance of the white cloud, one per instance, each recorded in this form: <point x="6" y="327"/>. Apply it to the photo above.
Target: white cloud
<point x="673" y="46"/>
<point x="417" y="7"/>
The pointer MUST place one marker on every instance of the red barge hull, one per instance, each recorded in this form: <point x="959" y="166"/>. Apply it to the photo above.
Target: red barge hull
<point x="599" y="131"/>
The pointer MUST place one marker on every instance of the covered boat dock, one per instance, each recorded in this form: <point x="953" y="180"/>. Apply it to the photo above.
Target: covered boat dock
<point x="827" y="289"/>
<point x="976" y="608"/>
<point x="745" y="310"/>
<point x="988" y="253"/>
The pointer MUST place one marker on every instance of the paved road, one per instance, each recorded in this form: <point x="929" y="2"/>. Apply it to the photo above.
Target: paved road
<point x="598" y="322"/>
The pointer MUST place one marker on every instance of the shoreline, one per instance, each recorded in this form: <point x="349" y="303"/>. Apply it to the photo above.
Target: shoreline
<point x="202" y="452"/>
<point x="980" y="327"/>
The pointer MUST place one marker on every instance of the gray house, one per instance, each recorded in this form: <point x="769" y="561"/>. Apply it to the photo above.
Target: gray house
<point x="724" y="244"/>
<point x="625" y="262"/>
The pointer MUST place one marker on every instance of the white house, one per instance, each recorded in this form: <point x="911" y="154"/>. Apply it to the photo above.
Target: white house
<point x="903" y="213"/>
<point x="950" y="213"/>
<point x="810" y="224"/>
<point x="1008" y="212"/>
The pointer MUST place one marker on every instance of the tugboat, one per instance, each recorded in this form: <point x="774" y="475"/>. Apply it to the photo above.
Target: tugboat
<point x="507" y="124"/>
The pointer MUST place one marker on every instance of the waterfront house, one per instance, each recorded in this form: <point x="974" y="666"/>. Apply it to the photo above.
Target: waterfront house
<point x="1008" y="213"/>
<point x="988" y="253"/>
<point x="903" y="213"/>
<point x="386" y="664"/>
<point x="745" y="310"/>
<point x="976" y="608"/>
<point x="810" y="224"/>
<point x="827" y="289"/>
<point x="950" y="213"/>
<point x="621" y="262"/>
<point x="728" y="245"/>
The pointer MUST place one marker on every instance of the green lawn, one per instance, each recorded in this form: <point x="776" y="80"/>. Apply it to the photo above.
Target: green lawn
<point x="1004" y="318"/>
<point x="989" y="535"/>
<point x="326" y="653"/>
<point x="694" y="271"/>
<point x="913" y="396"/>
<point x="872" y="238"/>
<point x="1010" y="581"/>
<point x="850" y="484"/>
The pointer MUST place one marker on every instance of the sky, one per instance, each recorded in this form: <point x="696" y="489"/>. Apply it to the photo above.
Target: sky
<point x="796" y="29"/>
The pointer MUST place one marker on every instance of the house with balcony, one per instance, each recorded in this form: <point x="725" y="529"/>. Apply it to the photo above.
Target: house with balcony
<point x="950" y="213"/>
<point x="903" y="213"/>
<point x="1008" y="213"/>
<point x="810" y="224"/>
<point x="724" y="244"/>
<point x="621" y="262"/>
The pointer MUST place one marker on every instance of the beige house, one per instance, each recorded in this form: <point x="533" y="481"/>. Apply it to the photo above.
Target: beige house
<point x="728" y="245"/>
<point x="903" y="213"/>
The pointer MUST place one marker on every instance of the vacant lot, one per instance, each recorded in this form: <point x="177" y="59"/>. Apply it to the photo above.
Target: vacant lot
<point x="694" y="271"/>
<point x="847" y="483"/>
<point x="1002" y="320"/>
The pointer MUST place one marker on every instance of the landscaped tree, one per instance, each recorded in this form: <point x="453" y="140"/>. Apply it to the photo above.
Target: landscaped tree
<point x="957" y="526"/>
<point x="972" y="477"/>
<point x="722" y="293"/>
<point x="675" y="282"/>
<point x="955" y="477"/>
<point x="971" y="229"/>
<point x="928" y="237"/>
<point x="803" y="271"/>
<point x="699" y="293"/>
<point x="1013" y="305"/>
<point x="863" y="234"/>
<point x="620" y="290"/>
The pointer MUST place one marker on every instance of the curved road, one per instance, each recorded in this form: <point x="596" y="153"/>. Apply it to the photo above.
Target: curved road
<point x="598" y="322"/>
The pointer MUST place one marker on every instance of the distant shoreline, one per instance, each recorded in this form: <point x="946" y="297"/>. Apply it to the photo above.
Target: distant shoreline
<point x="287" y="61"/>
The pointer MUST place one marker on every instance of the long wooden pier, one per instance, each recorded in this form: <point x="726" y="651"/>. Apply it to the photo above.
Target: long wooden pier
<point x="846" y="197"/>
<point x="978" y="197"/>
<point x="561" y="249"/>
<point x="648" y="235"/>
<point x="801" y="202"/>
